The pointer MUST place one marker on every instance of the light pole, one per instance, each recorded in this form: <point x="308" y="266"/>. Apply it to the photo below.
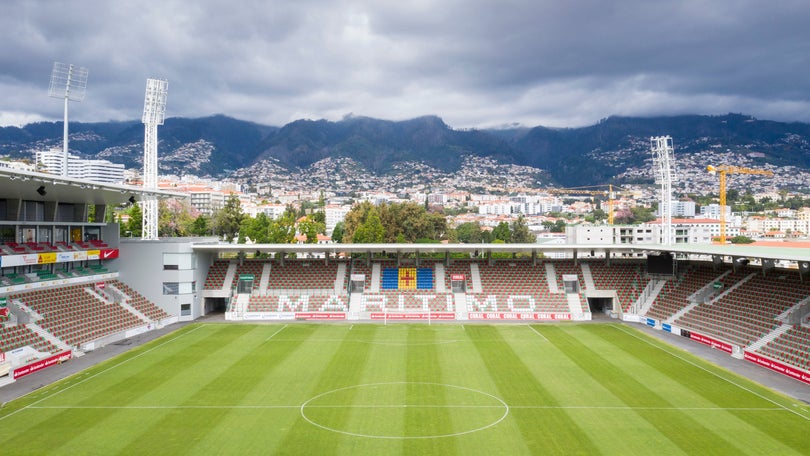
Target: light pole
<point x="70" y="83"/>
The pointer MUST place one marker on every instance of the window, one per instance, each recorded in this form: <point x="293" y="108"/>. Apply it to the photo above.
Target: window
<point x="178" y="261"/>
<point x="185" y="310"/>
<point x="177" y="288"/>
<point x="171" y="288"/>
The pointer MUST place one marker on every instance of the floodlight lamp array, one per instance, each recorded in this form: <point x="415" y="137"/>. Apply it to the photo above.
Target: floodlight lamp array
<point x="154" y="104"/>
<point x="68" y="81"/>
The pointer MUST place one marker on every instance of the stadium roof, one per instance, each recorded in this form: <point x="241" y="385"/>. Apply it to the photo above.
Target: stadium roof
<point x="25" y="184"/>
<point x="775" y="252"/>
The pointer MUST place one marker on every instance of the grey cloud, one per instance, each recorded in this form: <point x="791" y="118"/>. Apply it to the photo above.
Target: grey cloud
<point x="474" y="63"/>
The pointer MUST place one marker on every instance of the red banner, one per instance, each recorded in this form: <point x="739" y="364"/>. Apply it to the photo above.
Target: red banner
<point x="714" y="343"/>
<point x="41" y="364"/>
<point x="457" y="277"/>
<point x="413" y="316"/>
<point x="518" y="316"/>
<point x="320" y="316"/>
<point x="784" y="369"/>
<point x="108" y="254"/>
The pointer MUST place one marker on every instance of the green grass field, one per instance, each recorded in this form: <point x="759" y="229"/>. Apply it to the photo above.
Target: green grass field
<point x="405" y="389"/>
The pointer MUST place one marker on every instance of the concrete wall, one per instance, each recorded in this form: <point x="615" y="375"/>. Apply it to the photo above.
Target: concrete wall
<point x="141" y="266"/>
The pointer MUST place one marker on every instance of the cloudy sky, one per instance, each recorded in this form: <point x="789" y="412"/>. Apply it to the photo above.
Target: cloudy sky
<point x="475" y="63"/>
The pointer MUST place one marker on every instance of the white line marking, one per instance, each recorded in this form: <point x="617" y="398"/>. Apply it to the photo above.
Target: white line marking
<point x="537" y="332"/>
<point x="396" y="406"/>
<point x="502" y="405"/>
<point x="101" y="372"/>
<point x="271" y="336"/>
<point x="713" y="373"/>
<point x="384" y="343"/>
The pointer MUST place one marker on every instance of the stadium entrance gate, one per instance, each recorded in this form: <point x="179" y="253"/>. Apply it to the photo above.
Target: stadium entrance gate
<point x="600" y="305"/>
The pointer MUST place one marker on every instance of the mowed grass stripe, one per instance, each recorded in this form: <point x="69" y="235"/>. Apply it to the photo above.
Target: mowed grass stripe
<point x="757" y="431"/>
<point x="249" y="429"/>
<point x="463" y="366"/>
<point x="554" y="431"/>
<point x="169" y="430"/>
<point x="237" y="375"/>
<point x="677" y="426"/>
<point x="422" y="366"/>
<point x="59" y="429"/>
<point x="587" y="401"/>
<point x="344" y="369"/>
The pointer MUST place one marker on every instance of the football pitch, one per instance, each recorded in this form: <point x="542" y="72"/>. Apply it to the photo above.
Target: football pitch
<point x="405" y="389"/>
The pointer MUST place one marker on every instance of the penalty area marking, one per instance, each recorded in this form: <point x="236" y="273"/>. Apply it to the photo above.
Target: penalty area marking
<point x="499" y="404"/>
<point x="31" y="405"/>
<point x="271" y="336"/>
<point x="538" y="333"/>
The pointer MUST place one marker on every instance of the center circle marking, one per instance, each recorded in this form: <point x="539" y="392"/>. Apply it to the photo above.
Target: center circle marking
<point x="496" y="403"/>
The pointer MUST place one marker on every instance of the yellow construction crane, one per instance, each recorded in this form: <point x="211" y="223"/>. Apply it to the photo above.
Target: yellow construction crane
<point x="722" y="170"/>
<point x="611" y="201"/>
<point x="609" y="193"/>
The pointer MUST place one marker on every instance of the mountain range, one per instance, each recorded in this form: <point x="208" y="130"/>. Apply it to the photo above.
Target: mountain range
<point x="218" y="146"/>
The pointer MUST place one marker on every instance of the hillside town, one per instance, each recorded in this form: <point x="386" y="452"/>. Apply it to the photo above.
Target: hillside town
<point x="487" y="193"/>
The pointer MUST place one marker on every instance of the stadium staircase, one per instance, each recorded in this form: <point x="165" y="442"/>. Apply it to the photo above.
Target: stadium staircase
<point x="438" y="270"/>
<point x="376" y="273"/>
<point x="793" y="315"/>
<point x="229" y="276"/>
<point x="733" y="287"/>
<point x="575" y="305"/>
<point x="551" y="278"/>
<point x="649" y="294"/>
<point x="265" y="279"/>
<point x="781" y="329"/>
<point x="340" y="279"/>
<point x="50" y="338"/>
<point x="682" y="312"/>
<point x="239" y="304"/>
<point x="588" y="277"/>
<point x="475" y="277"/>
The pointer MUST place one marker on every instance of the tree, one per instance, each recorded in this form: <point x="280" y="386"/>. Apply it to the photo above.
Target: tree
<point x="311" y="229"/>
<point x="741" y="240"/>
<point x="319" y="216"/>
<point x="337" y="233"/>
<point x="135" y="225"/>
<point x="371" y="230"/>
<point x="501" y="232"/>
<point x="228" y="219"/>
<point x="282" y="230"/>
<point x="520" y="233"/>
<point x="174" y="217"/>
<point x="109" y="214"/>
<point x="596" y="216"/>
<point x="469" y="233"/>
<point x="257" y="229"/>
<point x="199" y="227"/>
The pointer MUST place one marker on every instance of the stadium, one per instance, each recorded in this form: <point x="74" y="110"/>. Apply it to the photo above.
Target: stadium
<point x="119" y="345"/>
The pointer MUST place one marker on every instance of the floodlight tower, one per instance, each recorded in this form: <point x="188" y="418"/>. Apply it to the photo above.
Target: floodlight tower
<point x="68" y="82"/>
<point x="664" y="162"/>
<point x="154" y="111"/>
